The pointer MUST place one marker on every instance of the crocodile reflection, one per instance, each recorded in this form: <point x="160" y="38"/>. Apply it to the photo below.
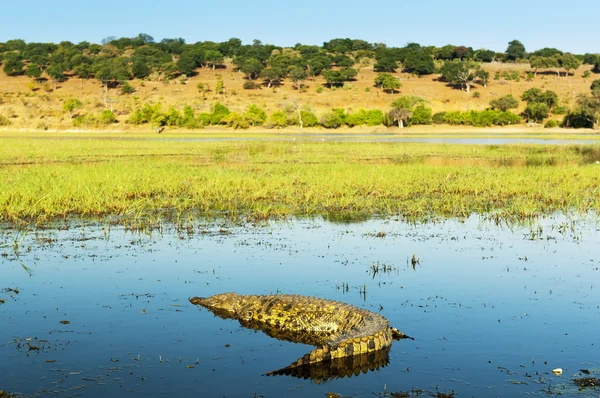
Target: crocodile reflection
<point x="349" y="340"/>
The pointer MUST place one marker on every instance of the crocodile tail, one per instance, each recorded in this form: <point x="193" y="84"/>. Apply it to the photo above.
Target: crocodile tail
<point x="344" y="349"/>
<point x="398" y="335"/>
<point x="338" y="368"/>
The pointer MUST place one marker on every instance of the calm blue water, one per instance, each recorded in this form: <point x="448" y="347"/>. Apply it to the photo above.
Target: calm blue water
<point x="492" y="311"/>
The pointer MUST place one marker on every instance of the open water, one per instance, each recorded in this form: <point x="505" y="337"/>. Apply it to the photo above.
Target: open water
<point x="493" y="309"/>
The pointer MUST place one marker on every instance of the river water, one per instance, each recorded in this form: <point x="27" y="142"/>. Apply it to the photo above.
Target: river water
<point x="94" y="311"/>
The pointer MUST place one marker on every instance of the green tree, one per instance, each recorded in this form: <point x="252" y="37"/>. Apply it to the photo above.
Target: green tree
<point x="421" y="115"/>
<point x="213" y="58"/>
<point x="462" y="73"/>
<point x="252" y="68"/>
<point x="57" y="73"/>
<point x="536" y="95"/>
<point x="483" y="76"/>
<point x="13" y="66"/>
<point x="515" y="50"/>
<point x="70" y="105"/>
<point x="402" y="109"/>
<point x="186" y="64"/>
<point x="589" y="108"/>
<point x="387" y="64"/>
<point x="569" y="63"/>
<point x="536" y="111"/>
<point x="595" y="87"/>
<point x="298" y="75"/>
<point x="387" y="82"/>
<point x="419" y="63"/>
<point x="273" y="75"/>
<point x="504" y="103"/>
<point x="111" y="72"/>
<point x="338" y="77"/>
<point x="33" y="71"/>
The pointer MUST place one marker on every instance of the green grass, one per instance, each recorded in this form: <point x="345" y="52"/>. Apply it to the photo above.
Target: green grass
<point x="156" y="180"/>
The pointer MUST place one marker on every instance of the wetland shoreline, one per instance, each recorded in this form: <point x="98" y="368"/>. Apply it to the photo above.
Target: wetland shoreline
<point x="154" y="181"/>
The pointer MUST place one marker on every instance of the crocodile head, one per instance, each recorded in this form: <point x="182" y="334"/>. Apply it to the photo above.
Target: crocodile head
<point x="227" y="305"/>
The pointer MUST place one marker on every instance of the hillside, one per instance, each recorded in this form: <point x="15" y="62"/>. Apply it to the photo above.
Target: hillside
<point x="38" y="105"/>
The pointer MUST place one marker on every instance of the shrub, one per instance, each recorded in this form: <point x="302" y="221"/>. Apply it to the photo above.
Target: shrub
<point x="374" y="117"/>
<point x="438" y="118"/>
<point x="504" y="103"/>
<point x="586" y="74"/>
<point x="278" y="120"/>
<point x="536" y="111"/>
<point x="107" y="117"/>
<point x="320" y="89"/>
<point x="255" y="116"/>
<point x="551" y="124"/>
<point x="332" y="119"/>
<point x="219" y="112"/>
<point x="560" y="110"/>
<point x="457" y="118"/>
<point x="173" y="117"/>
<point x="357" y="118"/>
<point x="476" y="94"/>
<point x="145" y="114"/>
<point x="309" y="119"/>
<point x="577" y="120"/>
<point x="204" y="118"/>
<point x="485" y="118"/>
<point x="251" y="85"/>
<point x="507" y="119"/>
<point x="127" y="88"/>
<point x="421" y="115"/>
<point x="4" y="121"/>
<point x="236" y="121"/>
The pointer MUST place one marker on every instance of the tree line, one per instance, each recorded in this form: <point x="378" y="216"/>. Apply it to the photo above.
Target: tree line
<point x="116" y="60"/>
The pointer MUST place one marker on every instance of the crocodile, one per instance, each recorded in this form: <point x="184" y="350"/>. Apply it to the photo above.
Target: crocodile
<point x="338" y="330"/>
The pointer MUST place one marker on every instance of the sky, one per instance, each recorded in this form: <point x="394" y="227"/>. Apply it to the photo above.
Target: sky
<point x="571" y="27"/>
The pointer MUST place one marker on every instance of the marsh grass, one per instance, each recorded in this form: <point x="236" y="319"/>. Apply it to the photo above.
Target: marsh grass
<point x="146" y="183"/>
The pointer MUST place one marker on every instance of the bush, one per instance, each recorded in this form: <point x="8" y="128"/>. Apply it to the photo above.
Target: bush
<point x="577" y="120"/>
<point x="145" y="114"/>
<point x="551" y="124"/>
<point x="278" y="120"/>
<point x="204" y="119"/>
<point x="127" y="88"/>
<point x="586" y="74"/>
<point x="479" y="119"/>
<point x="332" y="120"/>
<point x="236" y="121"/>
<point x="457" y="118"/>
<point x="357" y="118"/>
<point x="173" y="117"/>
<point x="536" y="111"/>
<point x="438" y="118"/>
<point x="255" y="116"/>
<point x="421" y="115"/>
<point x="219" y="112"/>
<point x="107" y="117"/>
<point x="251" y="85"/>
<point x="476" y="94"/>
<point x="504" y="103"/>
<point x="309" y="119"/>
<point x="560" y="110"/>
<point x="4" y="121"/>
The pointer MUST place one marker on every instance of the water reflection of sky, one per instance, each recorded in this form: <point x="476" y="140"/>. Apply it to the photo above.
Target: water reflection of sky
<point x="488" y="307"/>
